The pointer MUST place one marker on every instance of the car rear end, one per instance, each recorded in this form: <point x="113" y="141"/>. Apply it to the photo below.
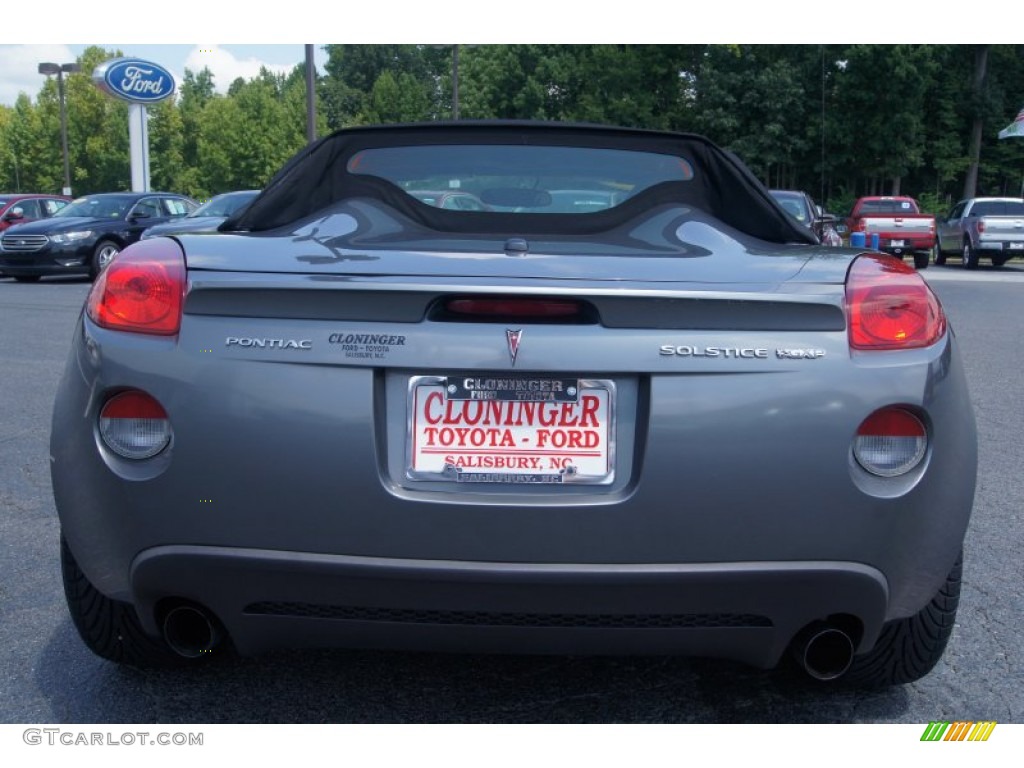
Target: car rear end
<point x="672" y="437"/>
<point x="1003" y="235"/>
<point x="900" y="234"/>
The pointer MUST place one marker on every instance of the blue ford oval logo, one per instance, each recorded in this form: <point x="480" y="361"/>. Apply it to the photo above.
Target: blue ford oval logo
<point x="135" y="80"/>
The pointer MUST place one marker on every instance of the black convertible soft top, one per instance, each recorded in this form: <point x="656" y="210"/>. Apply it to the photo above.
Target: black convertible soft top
<point x="323" y="174"/>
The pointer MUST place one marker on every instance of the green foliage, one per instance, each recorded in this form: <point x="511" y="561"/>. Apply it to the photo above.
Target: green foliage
<point x="841" y="202"/>
<point x="930" y="202"/>
<point x="836" y="120"/>
<point x="395" y="99"/>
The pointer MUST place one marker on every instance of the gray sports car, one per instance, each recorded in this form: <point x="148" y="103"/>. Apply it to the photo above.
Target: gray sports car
<point x="672" y="424"/>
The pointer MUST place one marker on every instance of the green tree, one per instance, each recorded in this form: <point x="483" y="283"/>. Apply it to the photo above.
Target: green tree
<point x="245" y="137"/>
<point x="293" y="93"/>
<point x="396" y="99"/>
<point x="194" y="93"/>
<point x="753" y="100"/>
<point x="166" y="149"/>
<point x="353" y="70"/>
<point x="37" y="160"/>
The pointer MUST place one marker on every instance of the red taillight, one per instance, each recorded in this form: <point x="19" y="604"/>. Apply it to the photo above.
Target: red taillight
<point x="890" y="442"/>
<point x="861" y="226"/>
<point x="981" y="226"/>
<point x="890" y="306"/>
<point x="515" y="308"/>
<point x="133" y="405"/>
<point x="142" y="291"/>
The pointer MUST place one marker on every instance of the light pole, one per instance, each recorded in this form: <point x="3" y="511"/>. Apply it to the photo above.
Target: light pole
<point x="310" y="96"/>
<point x="455" y="82"/>
<point x="49" y="68"/>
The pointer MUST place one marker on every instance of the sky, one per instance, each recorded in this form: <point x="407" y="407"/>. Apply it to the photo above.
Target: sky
<point x="18" y="63"/>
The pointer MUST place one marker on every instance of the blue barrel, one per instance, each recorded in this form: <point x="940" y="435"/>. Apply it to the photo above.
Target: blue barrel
<point x="874" y="241"/>
<point x="857" y="239"/>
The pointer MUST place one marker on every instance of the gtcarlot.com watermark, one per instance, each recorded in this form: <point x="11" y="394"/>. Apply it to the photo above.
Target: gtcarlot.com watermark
<point x="62" y="737"/>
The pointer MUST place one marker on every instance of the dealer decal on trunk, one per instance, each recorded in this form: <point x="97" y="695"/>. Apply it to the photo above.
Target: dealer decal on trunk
<point x="530" y="430"/>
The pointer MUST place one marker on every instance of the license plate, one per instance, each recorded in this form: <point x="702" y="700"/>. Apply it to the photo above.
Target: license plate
<point x="1015" y="246"/>
<point x="896" y="243"/>
<point x="538" y="430"/>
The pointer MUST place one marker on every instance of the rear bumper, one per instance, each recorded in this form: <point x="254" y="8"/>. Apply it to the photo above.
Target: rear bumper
<point x="909" y="243"/>
<point x="1009" y="247"/>
<point x="748" y="612"/>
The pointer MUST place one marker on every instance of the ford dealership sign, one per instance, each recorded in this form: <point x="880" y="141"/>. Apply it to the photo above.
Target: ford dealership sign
<point x="136" y="80"/>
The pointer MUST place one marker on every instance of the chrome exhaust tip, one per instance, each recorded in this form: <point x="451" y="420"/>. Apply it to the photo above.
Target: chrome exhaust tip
<point x="191" y="631"/>
<point x="825" y="652"/>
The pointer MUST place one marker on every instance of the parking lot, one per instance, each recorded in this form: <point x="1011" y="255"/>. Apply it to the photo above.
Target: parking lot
<point x="51" y="677"/>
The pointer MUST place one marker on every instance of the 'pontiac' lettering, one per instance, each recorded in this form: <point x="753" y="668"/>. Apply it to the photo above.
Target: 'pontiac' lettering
<point x="244" y="341"/>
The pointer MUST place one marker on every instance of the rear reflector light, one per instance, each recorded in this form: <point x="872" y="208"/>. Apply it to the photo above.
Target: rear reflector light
<point x="890" y="442"/>
<point x="134" y="425"/>
<point x="514" y="308"/>
<point x="142" y="291"/>
<point x="890" y="306"/>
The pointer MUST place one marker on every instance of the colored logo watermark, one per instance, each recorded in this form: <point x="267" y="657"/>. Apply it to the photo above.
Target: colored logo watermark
<point x="958" y="731"/>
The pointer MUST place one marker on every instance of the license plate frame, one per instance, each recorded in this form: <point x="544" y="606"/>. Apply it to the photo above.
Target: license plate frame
<point x="897" y="243"/>
<point x="539" y="439"/>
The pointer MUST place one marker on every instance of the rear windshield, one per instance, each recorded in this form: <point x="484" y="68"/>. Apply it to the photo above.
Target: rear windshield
<point x="887" y="206"/>
<point x="793" y="204"/>
<point x="520" y="179"/>
<point x="998" y="208"/>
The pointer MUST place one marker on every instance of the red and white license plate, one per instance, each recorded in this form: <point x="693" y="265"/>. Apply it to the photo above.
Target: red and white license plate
<point x="483" y="428"/>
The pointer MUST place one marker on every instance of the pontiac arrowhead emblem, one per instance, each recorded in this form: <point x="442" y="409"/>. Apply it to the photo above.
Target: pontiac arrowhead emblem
<point x="513" y="343"/>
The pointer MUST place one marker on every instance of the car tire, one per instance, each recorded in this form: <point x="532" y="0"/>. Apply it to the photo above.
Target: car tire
<point x="970" y="256"/>
<point x="937" y="255"/>
<point x="27" y="278"/>
<point x="908" y="649"/>
<point x="102" y="255"/>
<point x="998" y="261"/>
<point x="110" y="628"/>
<point x="921" y="260"/>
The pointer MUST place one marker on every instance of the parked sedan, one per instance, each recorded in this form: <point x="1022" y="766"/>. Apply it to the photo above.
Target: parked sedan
<point x="803" y="209"/>
<point x="207" y="217"/>
<point x="677" y="424"/>
<point x="83" y="237"/>
<point x="22" y="208"/>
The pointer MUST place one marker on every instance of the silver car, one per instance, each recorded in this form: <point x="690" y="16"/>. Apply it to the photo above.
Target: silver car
<point x="676" y="424"/>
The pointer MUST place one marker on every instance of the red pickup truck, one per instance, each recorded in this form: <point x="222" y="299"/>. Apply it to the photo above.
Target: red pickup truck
<point x="899" y="224"/>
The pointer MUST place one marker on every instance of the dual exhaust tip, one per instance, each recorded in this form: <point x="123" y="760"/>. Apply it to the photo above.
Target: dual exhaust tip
<point x="822" y="650"/>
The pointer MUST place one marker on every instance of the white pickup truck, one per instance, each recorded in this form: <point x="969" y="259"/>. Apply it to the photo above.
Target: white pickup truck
<point x="981" y="226"/>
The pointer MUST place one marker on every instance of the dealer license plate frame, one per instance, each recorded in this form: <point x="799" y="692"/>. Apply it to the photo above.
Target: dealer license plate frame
<point x="605" y="414"/>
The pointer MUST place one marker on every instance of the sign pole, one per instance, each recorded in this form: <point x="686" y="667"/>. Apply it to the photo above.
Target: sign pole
<point x="138" y="143"/>
<point x="139" y="82"/>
